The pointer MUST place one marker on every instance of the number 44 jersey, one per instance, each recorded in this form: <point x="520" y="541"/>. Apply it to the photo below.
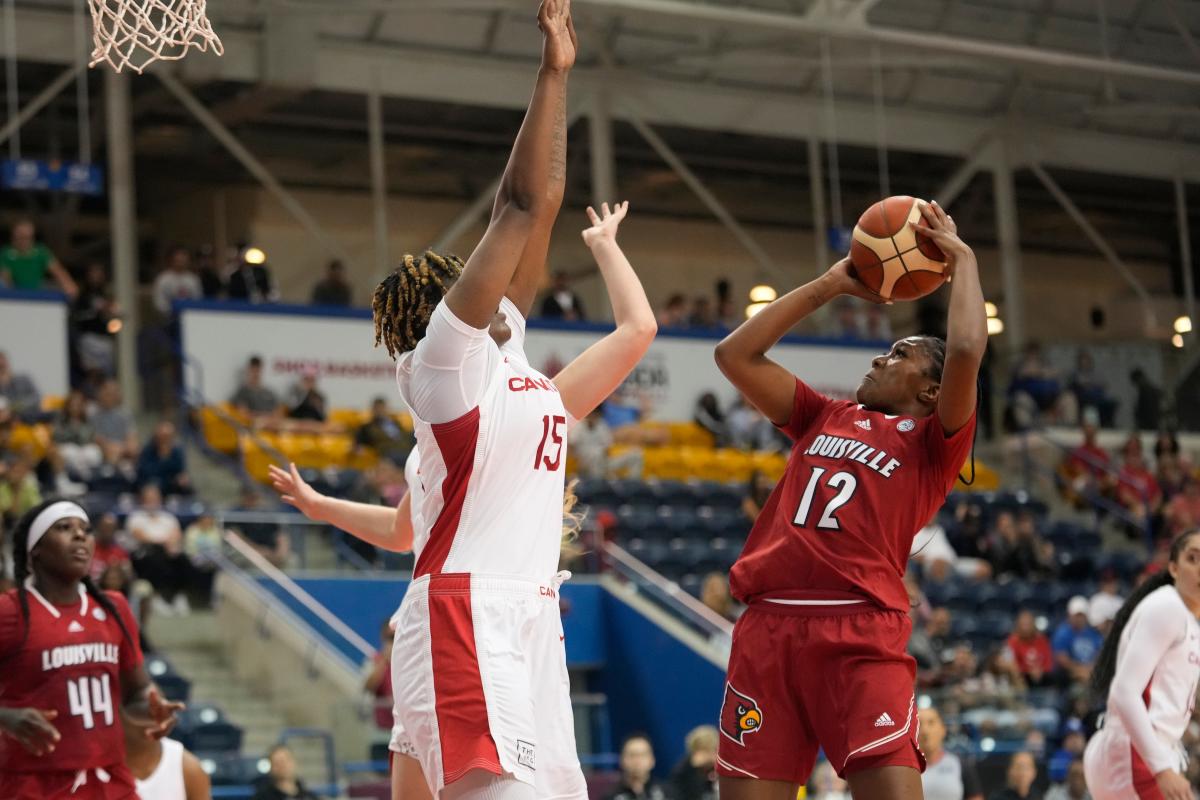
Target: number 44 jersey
<point x="859" y="485"/>
<point x="71" y="662"/>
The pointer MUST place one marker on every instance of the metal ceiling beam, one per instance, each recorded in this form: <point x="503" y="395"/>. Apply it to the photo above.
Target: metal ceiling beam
<point x="37" y="103"/>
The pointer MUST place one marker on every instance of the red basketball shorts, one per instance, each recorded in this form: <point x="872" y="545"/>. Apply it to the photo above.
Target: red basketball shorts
<point x="114" y="783"/>
<point x="809" y="678"/>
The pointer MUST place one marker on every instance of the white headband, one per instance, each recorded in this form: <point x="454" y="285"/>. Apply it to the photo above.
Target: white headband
<point x="50" y="515"/>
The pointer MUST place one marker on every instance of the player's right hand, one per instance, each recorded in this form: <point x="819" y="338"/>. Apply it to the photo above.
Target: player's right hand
<point x="31" y="727"/>
<point x="294" y="490"/>
<point x="845" y="283"/>
<point x="604" y="228"/>
<point x="1173" y="785"/>
<point x="556" y="25"/>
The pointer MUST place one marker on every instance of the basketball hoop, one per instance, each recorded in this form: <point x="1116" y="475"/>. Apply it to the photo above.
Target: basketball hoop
<point x="135" y="33"/>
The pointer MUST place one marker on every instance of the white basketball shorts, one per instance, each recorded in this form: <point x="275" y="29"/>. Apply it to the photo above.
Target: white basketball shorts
<point x="479" y="677"/>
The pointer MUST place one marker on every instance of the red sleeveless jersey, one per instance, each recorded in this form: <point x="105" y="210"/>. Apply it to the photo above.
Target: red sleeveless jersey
<point x="859" y="485"/>
<point x="72" y="663"/>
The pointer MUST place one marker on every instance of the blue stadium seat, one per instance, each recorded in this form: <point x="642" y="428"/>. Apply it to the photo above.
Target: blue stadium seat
<point x="691" y="583"/>
<point x="678" y="521"/>
<point x="158" y="666"/>
<point x="596" y="492"/>
<point x="717" y="494"/>
<point x="638" y="522"/>
<point x="232" y="769"/>
<point x="676" y="494"/>
<point x="996" y="625"/>
<point x="635" y="492"/>
<point x="174" y="687"/>
<point x="214" y="737"/>
<point x="724" y="551"/>
<point x="964" y="625"/>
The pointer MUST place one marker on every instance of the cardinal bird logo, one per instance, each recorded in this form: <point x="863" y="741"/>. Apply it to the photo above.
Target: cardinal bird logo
<point x="740" y="715"/>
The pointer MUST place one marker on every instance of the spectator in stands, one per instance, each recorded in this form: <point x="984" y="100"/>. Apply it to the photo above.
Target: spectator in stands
<point x="202" y="543"/>
<point x="159" y="557"/>
<point x="1000" y="679"/>
<point x="1147" y="407"/>
<point x="826" y="785"/>
<point x="1016" y="549"/>
<point x="1030" y="650"/>
<point x="252" y="398"/>
<point x="164" y="463"/>
<point x="1086" y="470"/>
<point x="1183" y="511"/>
<point x="624" y="410"/>
<point x="1091" y="390"/>
<point x="1170" y="474"/>
<point x="109" y="553"/>
<point x="749" y="429"/>
<point x="250" y="283"/>
<point x="25" y="263"/>
<point x="673" y="313"/>
<point x="378" y="680"/>
<point x="74" y="438"/>
<point x="1035" y="389"/>
<point x="1022" y="772"/>
<point x="931" y="549"/>
<point x="92" y="314"/>
<point x="1137" y="489"/>
<point x="19" y="392"/>
<point x="383" y="434"/>
<point x="710" y="417"/>
<point x="560" y="301"/>
<point x="208" y="273"/>
<point x="265" y="537"/>
<point x="176" y="282"/>
<point x="877" y="326"/>
<point x="702" y="315"/>
<point x="938" y="629"/>
<point x="695" y="777"/>
<point x="1076" y="643"/>
<point x="946" y="776"/>
<point x="282" y="782"/>
<point x="590" y="441"/>
<point x="758" y="491"/>
<point x="19" y="490"/>
<point x="637" y="762"/>
<point x="333" y="289"/>
<point x="306" y="403"/>
<point x="1073" y="788"/>
<point x="714" y="593"/>
<point x="847" y="319"/>
<point x="116" y="433"/>
<point x="1070" y="751"/>
<point x="1105" y="603"/>
<point x="728" y="314"/>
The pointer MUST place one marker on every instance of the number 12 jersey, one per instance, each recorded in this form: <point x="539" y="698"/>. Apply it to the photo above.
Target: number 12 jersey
<point x="859" y="485"/>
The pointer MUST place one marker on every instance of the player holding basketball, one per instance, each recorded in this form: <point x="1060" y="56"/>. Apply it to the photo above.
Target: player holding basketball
<point x="1147" y="671"/>
<point x="818" y="659"/>
<point x="71" y="664"/>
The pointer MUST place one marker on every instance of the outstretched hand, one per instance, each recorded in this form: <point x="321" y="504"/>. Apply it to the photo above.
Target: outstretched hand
<point x="31" y="727"/>
<point x="604" y="225"/>
<point x="294" y="490"/>
<point x="162" y="714"/>
<point x="846" y="283"/>
<point x="561" y="44"/>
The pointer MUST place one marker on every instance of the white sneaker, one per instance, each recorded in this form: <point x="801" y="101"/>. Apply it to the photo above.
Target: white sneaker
<point x="182" y="606"/>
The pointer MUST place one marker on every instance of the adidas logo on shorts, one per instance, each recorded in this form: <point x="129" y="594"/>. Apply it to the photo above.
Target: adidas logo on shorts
<point x="884" y="721"/>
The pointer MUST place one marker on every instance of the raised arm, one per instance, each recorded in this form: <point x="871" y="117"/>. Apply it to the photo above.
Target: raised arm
<point x="63" y="278"/>
<point x="526" y="195"/>
<point x="742" y="355"/>
<point x="381" y="526"/>
<point x="597" y="371"/>
<point x="966" y="321"/>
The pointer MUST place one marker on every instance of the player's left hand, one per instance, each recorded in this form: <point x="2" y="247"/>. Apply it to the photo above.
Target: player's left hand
<point x="941" y="228"/>
<point x="162" y="714"/>
<point x="604" y="225"/>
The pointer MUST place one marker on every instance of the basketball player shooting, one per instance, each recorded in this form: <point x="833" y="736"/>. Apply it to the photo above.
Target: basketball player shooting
<point x="818" y="659"/>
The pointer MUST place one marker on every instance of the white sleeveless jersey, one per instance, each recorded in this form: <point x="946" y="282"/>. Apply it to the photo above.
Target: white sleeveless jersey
<point x="166" y="782"/>
<point x="1154" y="689"/>
<point x="489" y="482"/>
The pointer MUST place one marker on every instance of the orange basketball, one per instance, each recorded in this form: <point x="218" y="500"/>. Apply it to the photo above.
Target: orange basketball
<point x="891" y="258"/>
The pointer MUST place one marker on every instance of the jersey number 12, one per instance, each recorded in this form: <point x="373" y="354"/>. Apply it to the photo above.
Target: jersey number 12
<point x="90" y="698"/>
<point x="844" y="482"/>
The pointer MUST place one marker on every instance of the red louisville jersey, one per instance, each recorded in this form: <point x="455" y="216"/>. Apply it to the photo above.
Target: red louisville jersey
<point x="71" y="662"/>
<point x="859" y="485"/>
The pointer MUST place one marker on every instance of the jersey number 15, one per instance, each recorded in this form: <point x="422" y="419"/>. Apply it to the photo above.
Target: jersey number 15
<point x="844" y="482"/>
<point x="552" y="434"/>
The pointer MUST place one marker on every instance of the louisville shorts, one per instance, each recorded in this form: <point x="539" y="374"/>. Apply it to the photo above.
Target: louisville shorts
<point x="479" y="678"/>
<point x="1115" y="771"/>
<point x="112" y="783"/>
<point x="809" y="678"/>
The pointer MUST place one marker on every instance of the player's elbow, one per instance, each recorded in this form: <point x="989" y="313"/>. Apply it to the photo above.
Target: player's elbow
<point x="641" y="330"/>
<point x="728" y="355"/>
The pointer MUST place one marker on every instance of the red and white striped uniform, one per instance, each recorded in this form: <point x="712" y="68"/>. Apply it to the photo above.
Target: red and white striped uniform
<point x="479" y="642"/>
<point x="1150" y="701"/>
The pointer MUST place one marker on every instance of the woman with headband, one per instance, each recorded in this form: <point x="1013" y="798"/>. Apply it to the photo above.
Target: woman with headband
<point x="69" y="664"/>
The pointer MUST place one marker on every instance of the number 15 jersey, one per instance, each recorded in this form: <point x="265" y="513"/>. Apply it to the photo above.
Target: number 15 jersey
<point x="492" y="434"/>
<point x="71" y="662"/>
<point x="859" y="485"/>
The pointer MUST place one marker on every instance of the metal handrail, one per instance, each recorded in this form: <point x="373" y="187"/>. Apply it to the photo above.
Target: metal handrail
<point x="695" y="612"/>
<point x="305" y="599"/>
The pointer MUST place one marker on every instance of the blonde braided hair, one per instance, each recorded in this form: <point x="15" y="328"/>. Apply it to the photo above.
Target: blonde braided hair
<point x="404" y="301"/>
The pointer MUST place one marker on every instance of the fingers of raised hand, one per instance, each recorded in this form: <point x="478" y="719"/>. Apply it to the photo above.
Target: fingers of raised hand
<point x="593" y="216"/>
<point x="607" y="211"/>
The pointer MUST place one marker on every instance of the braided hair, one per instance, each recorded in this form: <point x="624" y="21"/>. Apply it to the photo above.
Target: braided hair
<point x="1105" y="667"/>
<point x="935" y="348"/>
<point x="21" y="571"/>
<point x="404" y="301"/>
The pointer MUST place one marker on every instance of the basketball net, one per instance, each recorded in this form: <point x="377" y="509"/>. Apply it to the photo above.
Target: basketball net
<point x="135" y="33"/>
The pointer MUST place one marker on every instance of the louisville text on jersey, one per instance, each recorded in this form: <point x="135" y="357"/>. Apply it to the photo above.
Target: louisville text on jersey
<point x="74" y="654"/>
<point x="839" y="448"/>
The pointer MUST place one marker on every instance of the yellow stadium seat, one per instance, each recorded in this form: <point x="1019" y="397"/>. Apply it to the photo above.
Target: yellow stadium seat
<point x="986" y="478"/>
<point x="406" y="421"/>
<point x="348" y="417"/>
<point x="53" y="402"/>
<point x="362" y="458"/>
<point x="689" y="434"/>
<point x="217" y="431"/>
<point x="33" y="440"/>
<point x="255" y="460"/>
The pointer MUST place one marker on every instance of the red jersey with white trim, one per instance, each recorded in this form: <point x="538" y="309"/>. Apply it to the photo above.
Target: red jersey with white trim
<point x="492" y="436"/>
<point x="72" y="663"/>
<point x="859" y="485"/>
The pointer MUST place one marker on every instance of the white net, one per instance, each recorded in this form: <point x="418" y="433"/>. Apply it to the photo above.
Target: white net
<point x="134" y="33"/>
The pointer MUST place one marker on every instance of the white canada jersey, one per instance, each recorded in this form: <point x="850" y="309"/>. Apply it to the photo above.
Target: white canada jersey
<point x="1154" y="688"/>
<point x="491" y="431"/>
<point x="166" y="782"/>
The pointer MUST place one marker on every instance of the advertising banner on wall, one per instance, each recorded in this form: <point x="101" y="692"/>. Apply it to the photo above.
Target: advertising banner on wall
<point x="218" y="340"/>
<point x="33" y="332"/>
